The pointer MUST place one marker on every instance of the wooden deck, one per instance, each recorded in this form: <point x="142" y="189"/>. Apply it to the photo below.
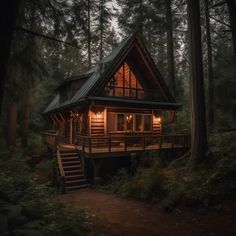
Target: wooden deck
<point x="103" y="145"/>
<point x="117" y="145"/>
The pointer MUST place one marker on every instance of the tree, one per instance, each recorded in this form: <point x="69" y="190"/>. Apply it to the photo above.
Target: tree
<point x="89" y="35"/>
<point x="209" y="69"/>
<point x="103" y="30"/>
<point x="8" y="15"/>
<point x="170" y="46"/>
<point x="198" y="122"/>
<point x="232" y="18"/>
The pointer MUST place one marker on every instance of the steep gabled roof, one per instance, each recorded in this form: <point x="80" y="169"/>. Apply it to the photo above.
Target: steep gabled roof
<point x="100" y="74"/>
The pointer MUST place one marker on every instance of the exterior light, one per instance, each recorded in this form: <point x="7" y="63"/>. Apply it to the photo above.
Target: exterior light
<point x="98" y="114"/>
<point x="158" y="119"/>
<point x="129" y="117"/>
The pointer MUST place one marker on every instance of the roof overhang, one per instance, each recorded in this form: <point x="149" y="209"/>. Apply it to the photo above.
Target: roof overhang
<point x="135" y="103"/>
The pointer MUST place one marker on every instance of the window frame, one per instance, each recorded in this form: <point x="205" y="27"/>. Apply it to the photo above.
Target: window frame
<point x="134" y="130"/>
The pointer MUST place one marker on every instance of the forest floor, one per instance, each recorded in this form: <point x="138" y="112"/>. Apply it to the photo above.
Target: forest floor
<point x="119" y="216"/>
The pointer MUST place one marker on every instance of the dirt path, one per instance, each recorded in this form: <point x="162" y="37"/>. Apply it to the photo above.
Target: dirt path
<point x="124" y="217"/>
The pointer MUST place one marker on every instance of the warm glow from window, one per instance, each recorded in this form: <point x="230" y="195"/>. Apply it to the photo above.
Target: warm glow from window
<point x="98" y="114"/>
<point x="124" y="84"/>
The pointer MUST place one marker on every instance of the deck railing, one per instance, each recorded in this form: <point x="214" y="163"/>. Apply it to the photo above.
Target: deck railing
<point x="61" y="177"/>
<point x="104" y="144"/>
<point x="121" y="143"/>
<point x="51" y="138"/>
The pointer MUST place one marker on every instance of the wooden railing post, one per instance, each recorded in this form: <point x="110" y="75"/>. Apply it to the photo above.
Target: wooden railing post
<point x="83" y="143"/>
<point x="144" y="143"/>
<point x="90" y="148"/>
<point x="161" y="142"/>
<point x="109" y="144"/>
<point x="125" y="144"/>
<point x="61" y="169"/>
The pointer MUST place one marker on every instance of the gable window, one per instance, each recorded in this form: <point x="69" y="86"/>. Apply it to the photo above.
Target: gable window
<point x="129" y="122"/>
<point x="124" y="84"/>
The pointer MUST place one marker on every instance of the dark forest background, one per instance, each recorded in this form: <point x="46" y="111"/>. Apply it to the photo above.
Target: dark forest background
<point x="44" y="41"/>
<point x="56" y="39"/>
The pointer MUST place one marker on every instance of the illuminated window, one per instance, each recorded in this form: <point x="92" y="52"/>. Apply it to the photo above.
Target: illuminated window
<point x="129" y="122"/>
<point x="124" y="84"/>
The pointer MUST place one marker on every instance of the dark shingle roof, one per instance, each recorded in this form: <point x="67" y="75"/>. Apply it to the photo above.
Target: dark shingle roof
<point x="95" y="74"/>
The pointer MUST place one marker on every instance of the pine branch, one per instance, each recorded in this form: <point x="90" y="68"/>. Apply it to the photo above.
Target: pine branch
<point x="44" y="36"/>
<point x="221" y="22"/>
<point x="218" y="4"/>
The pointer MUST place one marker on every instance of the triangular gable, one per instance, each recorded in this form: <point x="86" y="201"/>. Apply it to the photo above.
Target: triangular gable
<point x="124" y="83"/>
<point x="103" y="72"/>
<point x="134" y="48"/>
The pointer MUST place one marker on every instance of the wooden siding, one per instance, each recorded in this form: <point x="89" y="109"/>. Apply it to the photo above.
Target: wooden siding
<point x="156" y="125"/>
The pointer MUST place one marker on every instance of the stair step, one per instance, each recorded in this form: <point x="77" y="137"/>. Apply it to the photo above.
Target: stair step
<point x="70" y="158"/>
<point x="75" y="181"/>
<point x="77" y="187"/>
<point x="72" y="167"/>
<point x="69" y="154"/>
<point x="74" y="176"/>
<point x="71" y="162"/>
<point x="72" y="171"/>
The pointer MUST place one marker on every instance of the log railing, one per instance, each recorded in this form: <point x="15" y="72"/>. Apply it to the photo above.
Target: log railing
<point x="99" y="144"/>
<point x="51" y="138"/>
<point x="61" y="170"/>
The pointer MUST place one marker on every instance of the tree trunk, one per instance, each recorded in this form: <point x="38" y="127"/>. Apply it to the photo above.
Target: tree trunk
<point x="89" y="37"/>
<point x="140" y="22"/>
<point x="170" y="47"/>
<point x="232" y="18"/>
<point x="209" y="69"/>
<point x="12" y="124"/>
<point x="101" y="29"/>
<point x="8" y="15"/>
<point x="25" y="120"/>
<point x="198" y="122"/>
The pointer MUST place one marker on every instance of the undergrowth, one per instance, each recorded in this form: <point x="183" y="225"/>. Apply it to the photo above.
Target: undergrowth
<point x="182" y="184"/>
<point x="28" y="208"/>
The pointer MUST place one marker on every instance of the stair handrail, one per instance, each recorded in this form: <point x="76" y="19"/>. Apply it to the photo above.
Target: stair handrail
<point x="61" y="169"/>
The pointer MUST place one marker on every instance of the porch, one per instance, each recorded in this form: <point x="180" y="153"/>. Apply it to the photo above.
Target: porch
<point x="97" y="146"/>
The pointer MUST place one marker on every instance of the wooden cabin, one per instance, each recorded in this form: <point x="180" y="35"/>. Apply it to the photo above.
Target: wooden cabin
<point x="115" y="108"/>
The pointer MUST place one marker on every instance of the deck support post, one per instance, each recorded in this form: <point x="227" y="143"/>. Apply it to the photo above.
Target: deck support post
<point x="71" y="130"/>
<point x="96" y="168"/>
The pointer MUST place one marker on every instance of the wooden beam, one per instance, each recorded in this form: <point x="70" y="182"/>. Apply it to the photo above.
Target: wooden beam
<point x="55" y="116"/>
<point x="71" y="132"/>
<point x="62" y="117"/>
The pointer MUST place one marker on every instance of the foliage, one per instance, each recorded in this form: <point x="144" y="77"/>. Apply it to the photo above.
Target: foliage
<point x="147" y="183"/>
<point x="180" y="183"/>
<point x="28" y="208"/>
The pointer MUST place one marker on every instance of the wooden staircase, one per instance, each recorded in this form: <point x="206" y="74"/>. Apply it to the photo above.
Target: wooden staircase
<point x="71" y="170"/>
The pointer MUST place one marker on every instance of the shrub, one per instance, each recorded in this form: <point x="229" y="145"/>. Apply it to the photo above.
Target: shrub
<point x="28" y="208"/>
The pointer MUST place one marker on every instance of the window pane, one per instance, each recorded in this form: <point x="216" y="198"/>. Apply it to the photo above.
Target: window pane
<point x="126" y="76"/>
<point x="133" y="80"/>
<point x="119" y="77"/>
<point x="119" y="92"/>
<point x="127" y="91"/>
<point x="138" y="123"/>
<point x="147" y="123"/>
<point x="120" y="122"/>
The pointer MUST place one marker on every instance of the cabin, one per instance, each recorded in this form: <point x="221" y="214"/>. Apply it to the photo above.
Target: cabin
<point x="115" y="110"/>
